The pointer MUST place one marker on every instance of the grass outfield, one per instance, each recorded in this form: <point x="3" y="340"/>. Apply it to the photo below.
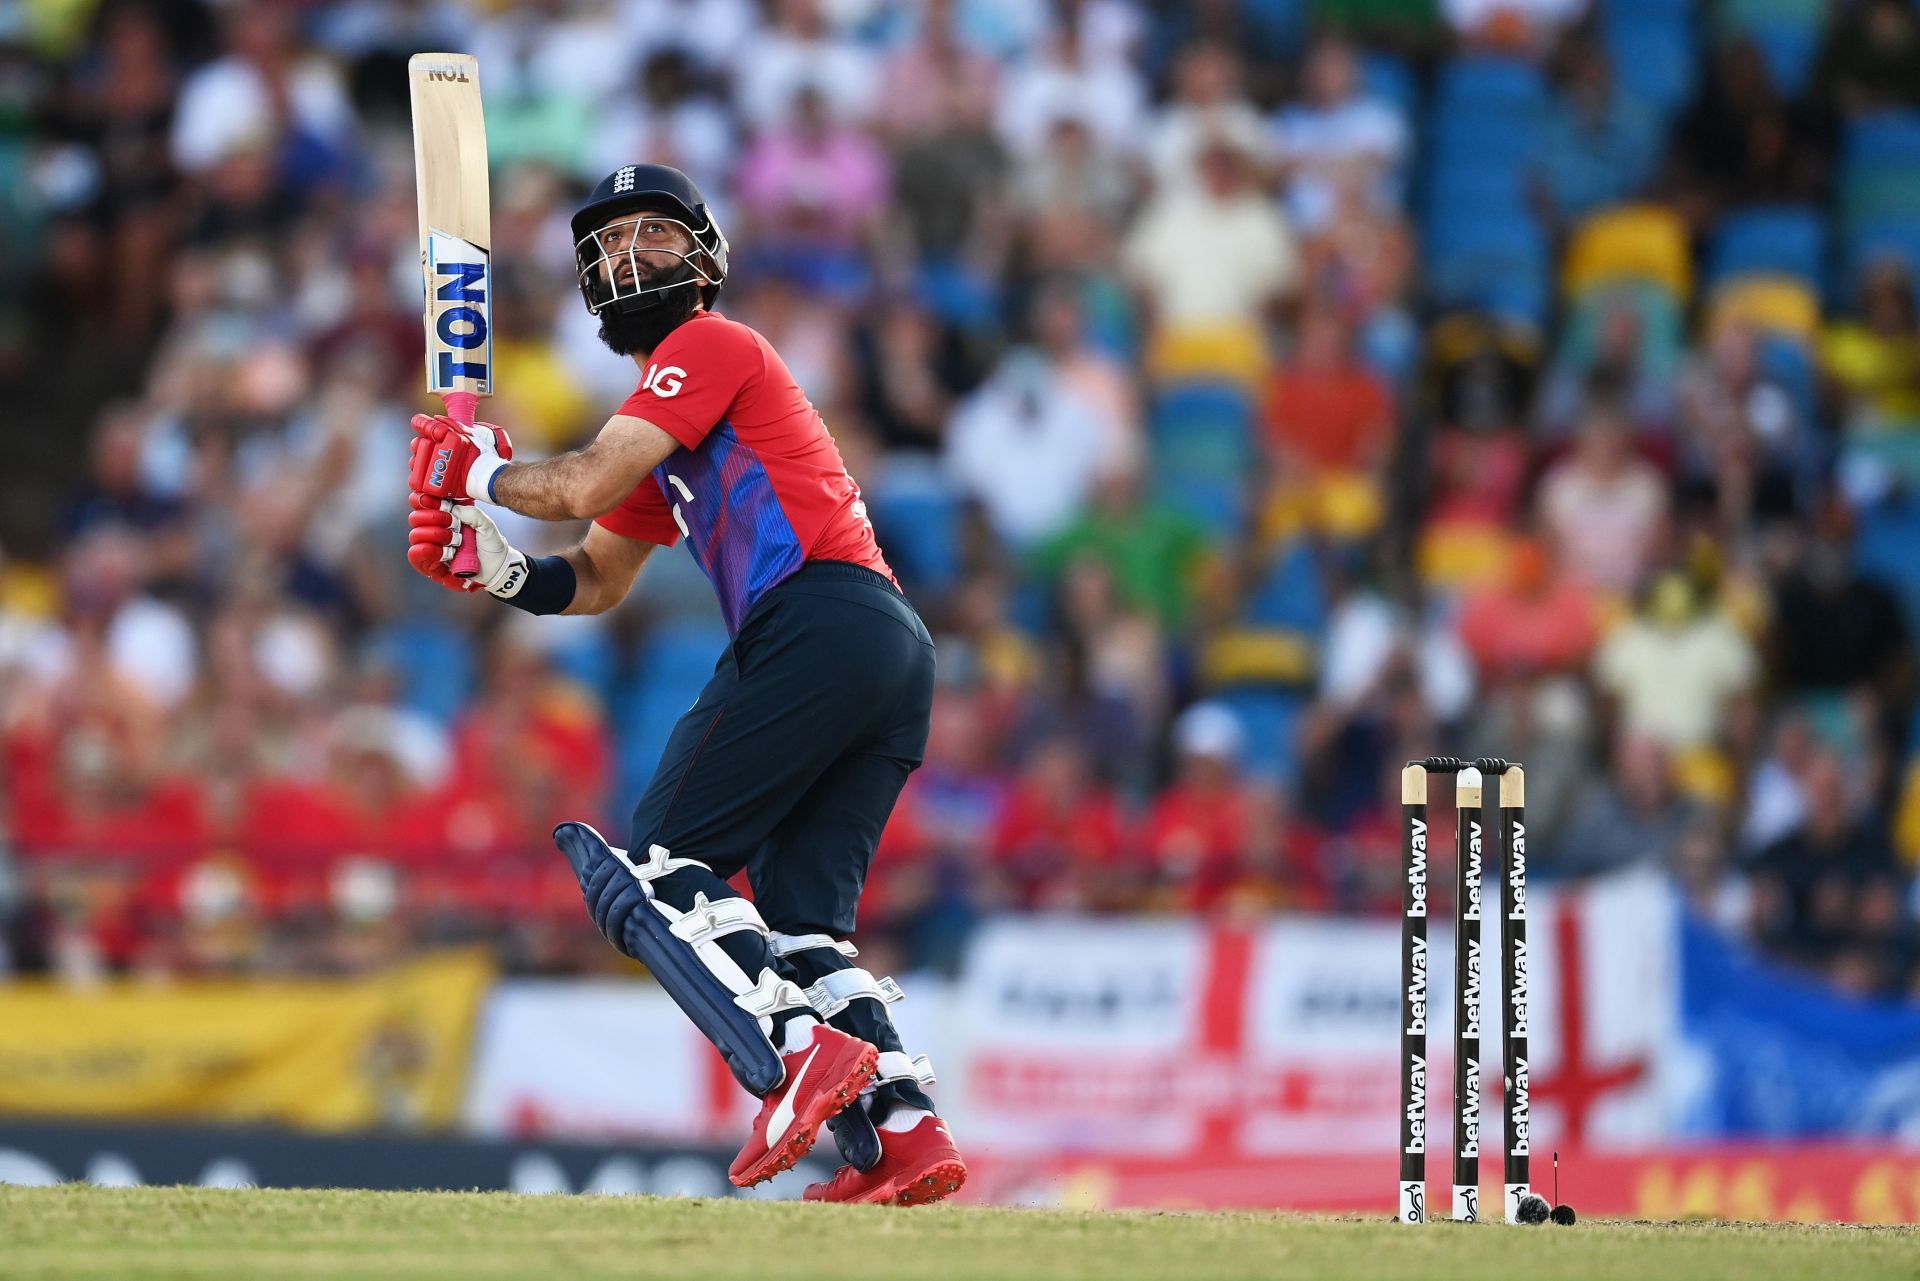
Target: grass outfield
<point x="82" y="1231"/>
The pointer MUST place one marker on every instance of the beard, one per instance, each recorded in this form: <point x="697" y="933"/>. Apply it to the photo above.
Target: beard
<point x="645" y="322"/>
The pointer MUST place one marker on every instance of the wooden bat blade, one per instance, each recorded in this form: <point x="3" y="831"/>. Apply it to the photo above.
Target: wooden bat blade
<point x="456" y="239"/>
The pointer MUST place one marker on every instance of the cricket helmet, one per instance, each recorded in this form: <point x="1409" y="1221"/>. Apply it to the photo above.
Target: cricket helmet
<point x="631" y="189"/>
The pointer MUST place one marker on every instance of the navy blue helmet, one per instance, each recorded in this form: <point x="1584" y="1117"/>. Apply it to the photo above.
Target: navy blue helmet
<point x="600" y="248"/>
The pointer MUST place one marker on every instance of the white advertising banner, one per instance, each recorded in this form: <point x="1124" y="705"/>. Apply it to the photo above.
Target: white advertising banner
<point x="1159" y="1038"/>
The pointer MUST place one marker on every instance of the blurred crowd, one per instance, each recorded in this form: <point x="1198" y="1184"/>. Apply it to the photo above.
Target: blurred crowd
<point x="1252" y="395"/>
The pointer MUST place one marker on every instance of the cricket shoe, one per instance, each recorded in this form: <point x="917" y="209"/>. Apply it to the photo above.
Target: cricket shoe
<point x="916" y="1167"/>
<point x="822" y="1077"/>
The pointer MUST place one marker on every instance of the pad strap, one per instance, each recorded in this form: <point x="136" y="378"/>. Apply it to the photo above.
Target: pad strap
<point x="896" y="1066"/>
<point x="708" y="919"/>
<point x="770" y="996"/>
<point x="658" y="862"/>
<point x="836" y="991"/>
<point x="788" y="944"/>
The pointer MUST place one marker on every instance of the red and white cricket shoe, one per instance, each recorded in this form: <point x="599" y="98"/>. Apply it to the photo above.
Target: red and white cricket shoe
<point x="823" y="1076"/>
<point x="917" y="1167"/>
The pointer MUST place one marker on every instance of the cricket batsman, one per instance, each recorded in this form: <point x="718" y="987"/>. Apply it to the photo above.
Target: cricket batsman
<point x="795" y="752"/>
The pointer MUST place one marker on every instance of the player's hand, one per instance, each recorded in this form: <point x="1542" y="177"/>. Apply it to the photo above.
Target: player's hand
<point x="503" y="568"/>
<point x="431" y="542"/>
<point x="456" y="460"/>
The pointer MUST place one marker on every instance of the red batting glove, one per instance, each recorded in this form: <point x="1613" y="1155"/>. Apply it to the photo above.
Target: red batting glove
<point x="430" y="542"/>
<point x="458" y="458"/>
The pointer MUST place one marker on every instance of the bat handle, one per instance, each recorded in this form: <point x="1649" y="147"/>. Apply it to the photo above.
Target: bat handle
<point x="461" y="407"/>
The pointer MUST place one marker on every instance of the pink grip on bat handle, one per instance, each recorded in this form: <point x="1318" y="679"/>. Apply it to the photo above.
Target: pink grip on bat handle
<point x="461" y="407"/>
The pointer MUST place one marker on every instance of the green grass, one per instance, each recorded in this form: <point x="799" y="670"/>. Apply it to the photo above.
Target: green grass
<point x="81" y="1231"/>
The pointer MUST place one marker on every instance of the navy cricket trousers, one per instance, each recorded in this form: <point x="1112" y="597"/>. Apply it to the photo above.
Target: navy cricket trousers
<point x="792" y="758"/>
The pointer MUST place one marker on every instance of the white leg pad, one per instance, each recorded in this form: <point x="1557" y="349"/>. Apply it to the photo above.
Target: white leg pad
<point x="762" y="998"/>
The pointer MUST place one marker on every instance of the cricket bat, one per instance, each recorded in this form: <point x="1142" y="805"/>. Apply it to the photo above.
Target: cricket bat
<point x="450" y="173"/>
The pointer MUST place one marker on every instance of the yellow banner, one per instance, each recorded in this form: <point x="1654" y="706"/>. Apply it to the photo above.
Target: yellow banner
<point x="390" y="1050"/>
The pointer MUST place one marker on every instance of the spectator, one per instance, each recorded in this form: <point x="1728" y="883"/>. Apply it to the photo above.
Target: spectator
<point x="1338" y="137"/>
<point x="1835" y="632"/>
<point x="1208" y="106"/>
<point x="1747" y="451"/>
<point x="1621" y="344"/>
<point x="1326" y="412"/>
<point x="1599" y="144"/>
<point x="111" y="619"/>
<point x="1027" y="448"/>
<point x="122" y="110"/>
<point x="1777" y="793"/>
<point x="1071" y="74"/>
<point x="1060" y="840"/>
<point x="1631" y="817"/>
<point x="927" y="78"/>
<point x="1872" y="48"/>
<point x="711" y="33"/>
<point x="812" y="194"/>
<point x="1743" y="142"/>
<point x="1535" y="621"/>
<point x="265" y="88"/>
<point x="671" y="120"/>
<point x="1603" y="507"/>
<point x="799" y="54"/>
<point x="1828" y="893"/>
<point x="1071" y="194"/>
<point x="1210" y="838"/>
<point x="1681" y="670"/>
<point x="1875" y="360"/>
<point x="908" y="373"/>
<point x="949" y="197"/>
<point x="1154" y="556"/>
<point x="1090" y="373"/>
<point x="1214" y="255"/>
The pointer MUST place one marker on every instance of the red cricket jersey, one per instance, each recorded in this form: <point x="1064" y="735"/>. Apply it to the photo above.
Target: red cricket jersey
<point x="758" y="486"/>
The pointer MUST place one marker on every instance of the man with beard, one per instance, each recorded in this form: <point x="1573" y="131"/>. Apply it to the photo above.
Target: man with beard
<point x="790" y="761"/>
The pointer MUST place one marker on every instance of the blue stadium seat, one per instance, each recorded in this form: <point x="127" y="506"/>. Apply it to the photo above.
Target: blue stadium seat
<point x="1490" y="81"/>
<point x="1789" y="48"/>
<point x="1654" y="55"/>
<point x="1494" y="263"/>
<point x="1291" y="593"/>
<point x="1390" y="79"/>
<point x="919" y="526"/>
<point x="682" y="653"/>
<point x="644" y="716"/>
<point x="1472" y="193"/>
<point x="1788" y="362"/>
<point x="670" y="668"/>
<point x="1271" y="719"/>
<point x="434" y="662"/>
<point x="585" y="654"/>
<point x="1202" y="442"/>
<point x="1894" y="238"/>
<point x="1276" y="23"/>
<point x="1788" y="34"/>
<point x="1883" y="547"/>
<point x="1883" y="140"/>
<point x="1788" y="240"/>
<point x="1186" y="403"/>
<point x="1470" y="144"/>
